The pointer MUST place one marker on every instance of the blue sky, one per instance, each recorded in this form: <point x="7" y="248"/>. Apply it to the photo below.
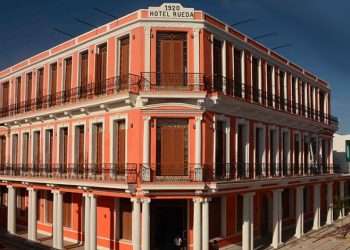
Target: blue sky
<point x="317" y="29"/>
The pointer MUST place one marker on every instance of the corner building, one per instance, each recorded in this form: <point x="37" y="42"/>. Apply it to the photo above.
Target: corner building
<point x="153" y="127"/>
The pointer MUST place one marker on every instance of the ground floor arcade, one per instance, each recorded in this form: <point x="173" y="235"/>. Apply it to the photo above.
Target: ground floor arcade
<point x="227" y="219"/>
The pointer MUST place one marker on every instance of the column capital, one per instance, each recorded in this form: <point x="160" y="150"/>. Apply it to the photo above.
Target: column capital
<point x="198" y="118"/>
<point x="56" y="191"/>
<point x="147" y="118"/>
<point x="248" y="194"/>
<point x="10" y="186"/>
<point x="206" y="199"/>
<point x="280" y="190"/>
<point x="300" y="187"/>
<point x="135" y="200"/>
<point x="146" y="200"/>
<point x="197" y="199"/>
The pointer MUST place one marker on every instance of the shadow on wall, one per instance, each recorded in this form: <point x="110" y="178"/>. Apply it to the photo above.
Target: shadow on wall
<point x="340" y="163"/>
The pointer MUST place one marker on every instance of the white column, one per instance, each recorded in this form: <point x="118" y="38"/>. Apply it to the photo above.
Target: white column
<point x="198" y="149"/>
<point x="277" y="218"/>
<point x="317" y="208"/>
<point x="54" y="219"/>
<point x="93" y="221"/>
<point x="196" y="53"/>
<point x="58" y="219"/>
<point x="228" y="147"/>
<point x="197" y="239"/>
<point x="146" y="224"/>
<point x="86" y="221"/>
<point x="146" y="175"/>
<point x="11" y="209"/>
<point x="223" y="58"/>
<point x="136" y="224"/>
<point x="299" y="229"/>
<point x="243" y="73"/>
<point x="205" y="224"/>
<point x="248" y="222"/>
<point x="341" y="194"/>
<point x="32" y="207"/>
<point x="329" y="203"/>
<point x="260" y="83"/>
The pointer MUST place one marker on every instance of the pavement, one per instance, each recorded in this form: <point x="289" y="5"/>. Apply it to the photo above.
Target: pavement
<point x="333" y="237"/>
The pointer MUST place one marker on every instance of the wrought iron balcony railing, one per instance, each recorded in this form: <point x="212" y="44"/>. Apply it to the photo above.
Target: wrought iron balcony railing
<point x="169" y="173"/>
<point x="106" y="87"/>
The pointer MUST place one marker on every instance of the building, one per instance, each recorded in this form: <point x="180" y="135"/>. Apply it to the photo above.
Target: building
<point x="341" y="152"/>
<point x="166" y="124"/>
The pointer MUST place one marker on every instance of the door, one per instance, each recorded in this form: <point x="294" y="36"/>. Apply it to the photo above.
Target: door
<point x="5" y="100"/>
<point x="84" y="73"/>
<point x="220" y="150"/>
<point x="18" y="93"/>
<point x="172" y="147"/>
<point x="28" y="92"/>
<point x="217" y="64"/>
<point x="2" y="152"/>
<point x="98" y="151"/>
<point x="171" y="59"/>
<point x="67" y="79"/>
<point x="37" y="150"/>
<point x="64" y="148"/>
<point x="237" y="72"/>
<point x="119" y="147"/>
<point x="124" y="60"/>
<point x="53" y="79"/>
<point x="39" y="91"/>
<point x="101" y="67"/>
<point x="81" y="140"/>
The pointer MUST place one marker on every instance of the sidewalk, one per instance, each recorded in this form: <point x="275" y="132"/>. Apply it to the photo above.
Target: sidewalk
<point x="327" y="238"/>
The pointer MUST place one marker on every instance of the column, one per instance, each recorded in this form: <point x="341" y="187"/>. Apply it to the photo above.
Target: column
<point x="197" y="239"/>
<point x="32" y="208"/>
<point x="224" y="73"/>
<point x="243" y="73"/>
<point x="146" y="174"/>
<point x="11" y="209"/>
<point x="86" y="221"/>
<point x="299" y="229"/>
<point x="341" y="197"/>
<point x="317" y="214"/>
<point x="58" y="219"/>
<point x="136" y="224"/>
<point x="147" y="54"/>
<point x="277" y="218"/>
<point x="198" y="150"/>
<point x="248" y="222"/>
<point x="205" y="224"/>
<point x="228" y="148"/>
<point x="146" y="224"/>
<point x="196" y="52"/>
<point x="329" y="203"/>
<point x="93" y="221"/>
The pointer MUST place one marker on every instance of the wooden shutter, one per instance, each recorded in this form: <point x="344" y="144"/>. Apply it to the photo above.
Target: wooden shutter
<point x="51" y="146"/>
<point x="124" y="58"/>
<point x="49" y="207"/>
<point x="120" y="147"/>
<point x="18" y="92"/>
<point x="53" y="79"/>
<point x="65" y="147"/>
<point x="171" y="58"/>
<point x="84" y="71"/>
<point x="29" y="91"/>
<point x="173" y="149"/>
<point x="229" y="69"/>
<point x="248" y="72"/>
<point x="68" y="76"/>
<point x="81" y="146"/>
<point x="40" y="84"/>
<point x="5" y="94"/>
<point x="37" y="147"/>
<point x="269" y="85"/>
<point x="99" y="140"/>
<point x="125" y="219"/>
<point x="255" y="74"/>
<point x="67" y="209"/>
<point x="100" y="68"/>
<point x="220" y="152"/>
<point x="2" y="150"/>
<point x="239" y="213"/>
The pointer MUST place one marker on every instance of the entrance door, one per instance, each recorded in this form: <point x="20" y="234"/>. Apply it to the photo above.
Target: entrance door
<point x="172" y="147"/>
<point x="171" y="58"/>
<point x="220" y="151"/>
<point x="165" y="228"/>
<point x="2" y="152"/>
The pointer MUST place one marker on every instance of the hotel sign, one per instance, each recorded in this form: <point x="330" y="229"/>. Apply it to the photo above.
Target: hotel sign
<point x="171" y="10"/>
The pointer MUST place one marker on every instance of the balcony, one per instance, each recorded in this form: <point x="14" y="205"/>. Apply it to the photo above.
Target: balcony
<point x="132" y="173"/>
<point x="107" y="87"/>
<point x="189" y="83"/>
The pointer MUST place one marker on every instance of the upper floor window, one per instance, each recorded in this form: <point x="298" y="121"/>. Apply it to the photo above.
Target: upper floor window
<point x="269" y="86"/>
<point x="84" y="56"/>
<point x="18" y="91"/>
<point x="255" y="74"/>
<point x="40" y="84"/>
<point x="282" y="88"/>
<point x="217" y="64"/>
<point x="171" y="59"/>
<point x="101" y="67"/>
<point x="237" y="74"/>
<point x="5" y="94"/>
<point x="124" y="57"/>
<point x="67" y="78"/>
<point x="53" y="83"/>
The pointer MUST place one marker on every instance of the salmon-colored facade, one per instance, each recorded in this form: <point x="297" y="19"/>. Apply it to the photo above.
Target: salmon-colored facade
<point x="165" y="129"/>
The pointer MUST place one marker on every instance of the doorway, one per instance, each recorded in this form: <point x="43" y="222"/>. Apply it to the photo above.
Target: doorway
<point x="168" y="221"/>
